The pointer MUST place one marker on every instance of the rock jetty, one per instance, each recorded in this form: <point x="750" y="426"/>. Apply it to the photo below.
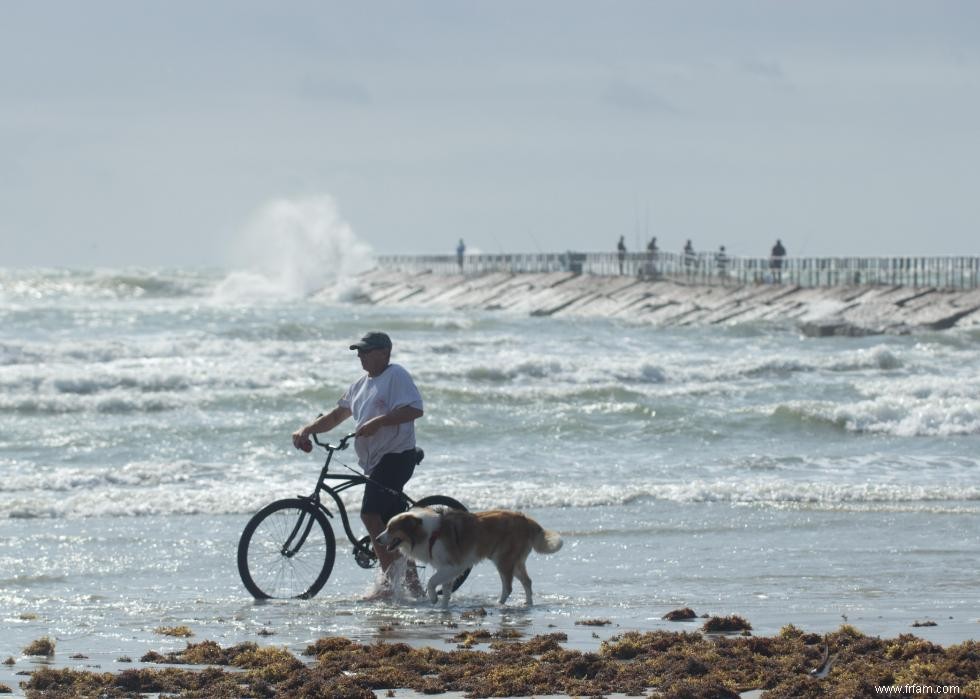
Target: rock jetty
<point x="817" y="311"/>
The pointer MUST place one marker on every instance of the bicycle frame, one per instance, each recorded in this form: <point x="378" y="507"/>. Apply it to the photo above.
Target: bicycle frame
<point x="303" y="518"/>
<point x="346" y="483"/>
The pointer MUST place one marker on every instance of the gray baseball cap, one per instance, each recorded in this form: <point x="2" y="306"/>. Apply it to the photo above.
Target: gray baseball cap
<point x="373" y="340"/>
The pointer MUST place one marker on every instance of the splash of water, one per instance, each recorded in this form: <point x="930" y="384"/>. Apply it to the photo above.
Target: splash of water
<point x="294" y="248"/>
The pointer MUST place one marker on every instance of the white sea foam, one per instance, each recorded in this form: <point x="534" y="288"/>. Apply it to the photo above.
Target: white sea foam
<point x="908" y="406"/>
<point x="520" y="369"/>
<point x="910" y="417"/>
<point x="529" y="495"/>
<point x="762" y="365"/>
<point x="901" y="416"/>
<point x="186" y="487"/>
<point x="22" y="290"/>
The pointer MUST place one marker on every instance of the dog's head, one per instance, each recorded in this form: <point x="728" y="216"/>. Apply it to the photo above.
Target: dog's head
<point x="403" y="531"/>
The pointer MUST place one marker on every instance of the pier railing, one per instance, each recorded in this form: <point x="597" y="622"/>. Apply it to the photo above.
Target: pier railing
<point x="710" y="268"/>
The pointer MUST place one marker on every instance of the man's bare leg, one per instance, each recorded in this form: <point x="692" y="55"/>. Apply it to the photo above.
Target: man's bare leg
<point x="375" y="526"/>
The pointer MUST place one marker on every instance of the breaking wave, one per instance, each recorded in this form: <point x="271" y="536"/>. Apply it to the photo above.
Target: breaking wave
<point x="181" y="488"/>
<point x="294" y="248"/>
<point x="900" y="416"/>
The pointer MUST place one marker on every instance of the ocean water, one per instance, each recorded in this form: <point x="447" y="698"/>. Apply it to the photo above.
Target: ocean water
<point x="146" y="414"/>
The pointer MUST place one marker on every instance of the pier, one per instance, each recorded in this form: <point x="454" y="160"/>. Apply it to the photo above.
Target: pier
<point x="950" y="272"/>
<point x="820" y="296"/>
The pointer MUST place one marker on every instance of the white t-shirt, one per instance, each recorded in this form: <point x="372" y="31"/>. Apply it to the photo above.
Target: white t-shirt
<point x="369" y="397"/>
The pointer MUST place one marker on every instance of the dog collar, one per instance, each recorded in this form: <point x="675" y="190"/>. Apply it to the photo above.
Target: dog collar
<point x="432" y="540"/>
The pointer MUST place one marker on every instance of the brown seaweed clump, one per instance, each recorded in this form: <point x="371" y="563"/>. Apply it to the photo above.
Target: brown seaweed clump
<point x="839" y="665"/>
<point x="726" y="624"/>
<point x="269" y="663"/>
<point x="468" y="639"/>
<point x="685" y="614"/>
<point x="593" y="622"/>
<point x="176" y="631"/>
<point x="42" y="646"/>
<point x="857" y="664"/>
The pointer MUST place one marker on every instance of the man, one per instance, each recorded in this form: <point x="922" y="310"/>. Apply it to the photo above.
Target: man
<point x="776" y="261"/>
<point x="721" y="261"/>
<point x="621" y="252"/>
<point x="689" y="257"/>
<point x="384" y="404"/>
<point x="653" y="252"/>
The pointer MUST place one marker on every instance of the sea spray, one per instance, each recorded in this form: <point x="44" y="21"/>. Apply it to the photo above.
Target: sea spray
<point x="293" y="248"/>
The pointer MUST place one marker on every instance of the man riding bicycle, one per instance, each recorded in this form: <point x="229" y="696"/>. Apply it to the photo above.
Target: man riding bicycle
<point x="384" y="403"/>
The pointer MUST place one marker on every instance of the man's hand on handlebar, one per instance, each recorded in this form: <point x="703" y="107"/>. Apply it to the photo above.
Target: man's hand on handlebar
<point x="323" y="423"/>
<point x="301" y="440"/>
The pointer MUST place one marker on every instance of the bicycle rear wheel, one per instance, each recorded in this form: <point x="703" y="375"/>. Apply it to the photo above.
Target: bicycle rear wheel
<point x="287" y="549"/>
<point x="453" y="504"/>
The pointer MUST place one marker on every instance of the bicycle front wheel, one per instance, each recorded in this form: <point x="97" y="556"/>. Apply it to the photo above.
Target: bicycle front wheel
<point x="453" y="504"/>
<point x="286" y="550"/>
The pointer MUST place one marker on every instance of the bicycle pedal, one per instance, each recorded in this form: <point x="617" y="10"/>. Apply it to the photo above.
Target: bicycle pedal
<point x="364" y="555"/>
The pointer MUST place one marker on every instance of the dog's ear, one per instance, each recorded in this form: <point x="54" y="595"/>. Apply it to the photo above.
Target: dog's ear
<point x="413" y="528"/>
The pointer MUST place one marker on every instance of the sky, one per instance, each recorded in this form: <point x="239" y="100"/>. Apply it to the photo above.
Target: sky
<point x="160" y="132"/>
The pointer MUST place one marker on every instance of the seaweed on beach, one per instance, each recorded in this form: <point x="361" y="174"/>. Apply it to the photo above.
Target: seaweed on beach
<point x="468" y="639"/>
<point x="41" y="647"/>
<point x="726" y="624"/>
<point x="793" y="663"/>
<point x="685" y="614"/>
<point x="593" y="622"/>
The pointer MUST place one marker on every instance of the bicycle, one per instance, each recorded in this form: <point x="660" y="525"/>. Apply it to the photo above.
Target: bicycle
<point x="287" y="548"/>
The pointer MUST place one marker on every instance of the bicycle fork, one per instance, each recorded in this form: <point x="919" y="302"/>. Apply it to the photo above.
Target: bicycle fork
<point x="304" y="522"/>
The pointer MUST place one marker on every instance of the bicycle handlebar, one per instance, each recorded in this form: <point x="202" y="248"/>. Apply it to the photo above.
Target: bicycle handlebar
<point x="339" y="446"/>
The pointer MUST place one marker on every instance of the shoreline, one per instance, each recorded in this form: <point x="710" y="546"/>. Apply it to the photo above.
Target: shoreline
<point x="817" y="312"/>
<point x="684" y="661"/>
<point x="122" y="613"/>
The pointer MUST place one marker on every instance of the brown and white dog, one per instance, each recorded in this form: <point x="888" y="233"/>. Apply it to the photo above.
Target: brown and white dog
<point x="453" y="540"/>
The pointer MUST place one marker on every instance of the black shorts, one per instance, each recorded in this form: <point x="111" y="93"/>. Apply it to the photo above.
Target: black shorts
<point x="393" y="471"/>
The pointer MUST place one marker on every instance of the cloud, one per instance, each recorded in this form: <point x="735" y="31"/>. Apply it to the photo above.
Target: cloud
<point x="769" y="70"/>
<point x="332" y="90"/>
<point x="635" y="98"/>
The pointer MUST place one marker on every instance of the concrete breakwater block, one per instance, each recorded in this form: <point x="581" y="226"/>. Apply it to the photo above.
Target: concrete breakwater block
<point x="817" y="311"/>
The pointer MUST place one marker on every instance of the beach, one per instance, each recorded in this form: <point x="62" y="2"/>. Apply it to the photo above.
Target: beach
<point x="712" y="663"/>
<point x="735" y="468"/>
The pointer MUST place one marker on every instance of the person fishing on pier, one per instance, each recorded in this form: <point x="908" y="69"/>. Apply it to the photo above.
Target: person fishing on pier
<point x="721" y="262"/>
<point x="653" y="252"/>
<point x="690" y="257"/>
<point x="776" y="261"/>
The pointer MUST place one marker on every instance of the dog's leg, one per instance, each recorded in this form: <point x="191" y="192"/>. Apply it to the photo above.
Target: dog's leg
<point x="521" y="573"/>
<point x="444" y="577"/>
<point x="506" y="583"/>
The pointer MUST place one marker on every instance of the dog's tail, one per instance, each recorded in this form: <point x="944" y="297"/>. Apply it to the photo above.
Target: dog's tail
<point x="546" y="541"/>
